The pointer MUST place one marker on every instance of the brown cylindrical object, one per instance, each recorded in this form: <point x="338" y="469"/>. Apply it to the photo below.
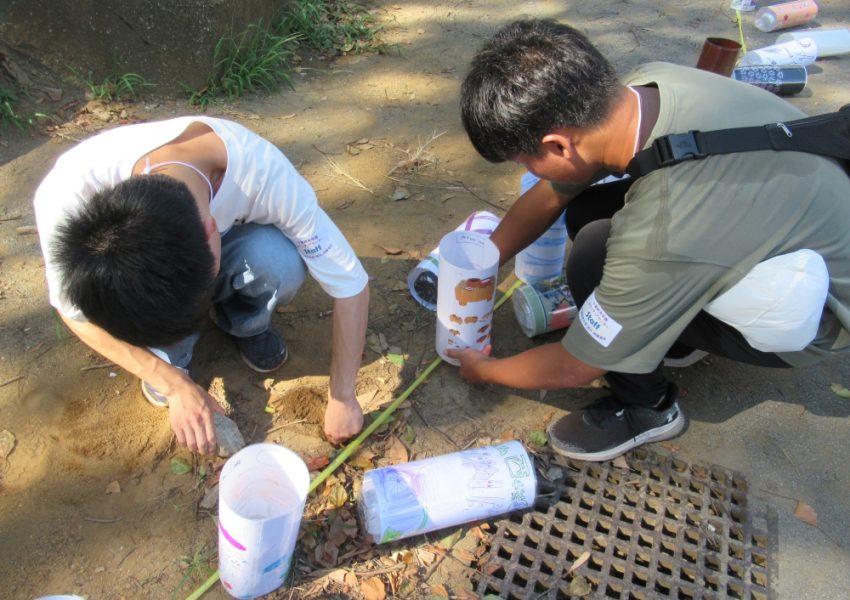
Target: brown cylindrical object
<point x="719" y="55"/>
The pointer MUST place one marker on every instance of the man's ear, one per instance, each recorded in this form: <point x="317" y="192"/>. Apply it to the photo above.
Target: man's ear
<point x="210" y="226"/>
<point x="559" y="142"/>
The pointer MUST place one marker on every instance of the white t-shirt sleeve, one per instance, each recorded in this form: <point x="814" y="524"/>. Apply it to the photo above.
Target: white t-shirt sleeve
<point x="270" y="191"/>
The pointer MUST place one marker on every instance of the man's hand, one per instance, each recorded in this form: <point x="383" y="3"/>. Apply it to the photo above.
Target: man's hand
<point x="191" y="411"/>
<point x="343" y="419"/>
<point x="472" y="363"/>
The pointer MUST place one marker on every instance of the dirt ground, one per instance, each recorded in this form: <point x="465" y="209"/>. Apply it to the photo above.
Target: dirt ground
<point x="89" y="503"/>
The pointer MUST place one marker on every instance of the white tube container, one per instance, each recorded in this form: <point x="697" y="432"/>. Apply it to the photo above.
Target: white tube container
<point x="830" y="42"/>
<point x="802" y="51"/>
<point x="422" y="279"/>
<point x="469" y="265"/>
<point x="543" y="260"/>
<point x="262" y="490"/>
<point x="445" y="491"/>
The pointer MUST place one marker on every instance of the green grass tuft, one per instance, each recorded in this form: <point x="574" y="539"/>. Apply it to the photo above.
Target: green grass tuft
<point x="261" y="57"/>
<point x="257" y="59"/>
<point x="114" y="87"/>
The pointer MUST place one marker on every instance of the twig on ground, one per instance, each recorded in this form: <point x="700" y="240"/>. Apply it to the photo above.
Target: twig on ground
<point x="434" y="427"/>
<point x="342" y="171"/>
<point x="12" y="380"/>
<point x="273" y="429"/>
<point x="98" y="520"/>
<point x="470" y="191"/>
<point x="98" y="366"/>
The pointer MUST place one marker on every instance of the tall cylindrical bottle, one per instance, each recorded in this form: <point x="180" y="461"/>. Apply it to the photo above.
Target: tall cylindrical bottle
<point x="445" y="491"/>
<point x="786" y="14"/>
<point x="543" y="260"/>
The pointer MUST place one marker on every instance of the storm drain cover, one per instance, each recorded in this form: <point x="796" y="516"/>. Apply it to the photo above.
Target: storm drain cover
<point x="651" y="526"/>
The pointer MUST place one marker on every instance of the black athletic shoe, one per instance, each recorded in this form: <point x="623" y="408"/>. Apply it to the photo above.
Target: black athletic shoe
<point x="264" y="352"/>
<point x="608" y="429"/>
<point x="679" y="355"/>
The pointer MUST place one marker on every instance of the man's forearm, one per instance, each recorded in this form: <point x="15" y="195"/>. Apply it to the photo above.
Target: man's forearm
<point x="141" y="362"/>
<point x="546" y="367"/>
<point x="531" y="215"/>
<point x="349" y="334"/>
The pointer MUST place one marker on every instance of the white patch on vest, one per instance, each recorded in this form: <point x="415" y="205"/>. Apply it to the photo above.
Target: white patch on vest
<point x="598" y="323"/>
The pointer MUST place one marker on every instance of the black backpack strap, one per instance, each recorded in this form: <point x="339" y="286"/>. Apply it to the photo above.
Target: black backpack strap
<point x="827" y="135"/>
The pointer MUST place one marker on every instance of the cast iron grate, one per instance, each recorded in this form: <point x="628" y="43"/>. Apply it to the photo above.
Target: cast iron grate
<point x="655" y="527"/>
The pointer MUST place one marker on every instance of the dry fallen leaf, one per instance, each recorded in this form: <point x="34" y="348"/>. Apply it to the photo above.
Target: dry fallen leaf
<point x="363" y="459"/>
<point x="113" y="488"/>
<point x="670" y="446"/>
<point x="314" y="463"/>
<point x="373" y="589"/>
<point x="580" y="587"/>
<point x="350" y="579"/>
<point x="585" y="556"/>
<point x="440" y="591"/>
<point x="464" y="555"/>
<point x="620" y="463"/>
<point x="395" y="450"/>
<point x="338" y="496"/>
<point x="805" y="513"/>
<point x="392" y="250"/>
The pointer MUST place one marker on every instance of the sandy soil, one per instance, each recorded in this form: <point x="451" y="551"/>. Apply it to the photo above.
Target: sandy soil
<point x="363" y="130"/>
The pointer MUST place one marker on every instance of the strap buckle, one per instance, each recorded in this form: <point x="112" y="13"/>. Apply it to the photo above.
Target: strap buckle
<point x="677" y="147"/>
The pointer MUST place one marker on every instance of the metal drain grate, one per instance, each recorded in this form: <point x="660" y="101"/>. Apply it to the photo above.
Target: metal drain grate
<point x="660" y="529"/>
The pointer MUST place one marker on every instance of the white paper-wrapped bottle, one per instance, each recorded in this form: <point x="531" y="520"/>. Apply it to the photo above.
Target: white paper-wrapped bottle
<point x="797" y="51"/>
<point x="830" y="42"/>
<point x="543" y="260"/>
<point x="445" y="491"/>
<point x="422" y="279"/>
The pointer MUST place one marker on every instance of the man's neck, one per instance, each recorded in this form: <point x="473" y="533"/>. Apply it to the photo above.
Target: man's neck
<point x="627" y="128"/>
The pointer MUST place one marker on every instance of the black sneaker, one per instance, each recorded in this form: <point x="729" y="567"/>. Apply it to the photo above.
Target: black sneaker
<point x="608" y="429"/>
<point x="264" y="352"/>
<point x="679" y="356"/>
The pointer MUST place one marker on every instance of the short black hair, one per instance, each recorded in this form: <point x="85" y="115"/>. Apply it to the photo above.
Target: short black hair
<point x="136" y="261"/>
<point x="532" y="77"/>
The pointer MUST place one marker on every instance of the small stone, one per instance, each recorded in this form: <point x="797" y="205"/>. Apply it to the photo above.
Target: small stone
<point x="230" y="440"/>
<point x="210" y="499"/>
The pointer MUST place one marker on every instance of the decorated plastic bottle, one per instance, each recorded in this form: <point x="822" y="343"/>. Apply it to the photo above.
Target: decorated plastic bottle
<point x="543" y="260"/>
<point x="445" y="491"/>
<point x="786" y="14"/>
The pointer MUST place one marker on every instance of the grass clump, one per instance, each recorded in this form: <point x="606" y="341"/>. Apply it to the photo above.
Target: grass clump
<point x="334" y="27"/>
<point x="114" y="87"/>
<point x="261" y="57"/>
<point x="10" y="113"/>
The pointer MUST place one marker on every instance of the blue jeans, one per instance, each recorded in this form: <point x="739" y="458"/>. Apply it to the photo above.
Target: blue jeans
<point x="260" y="268"/>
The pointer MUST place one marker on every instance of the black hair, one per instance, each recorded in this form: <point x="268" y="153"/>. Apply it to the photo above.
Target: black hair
<point x="532" y="77"/>
<point x="136" y="261"/>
